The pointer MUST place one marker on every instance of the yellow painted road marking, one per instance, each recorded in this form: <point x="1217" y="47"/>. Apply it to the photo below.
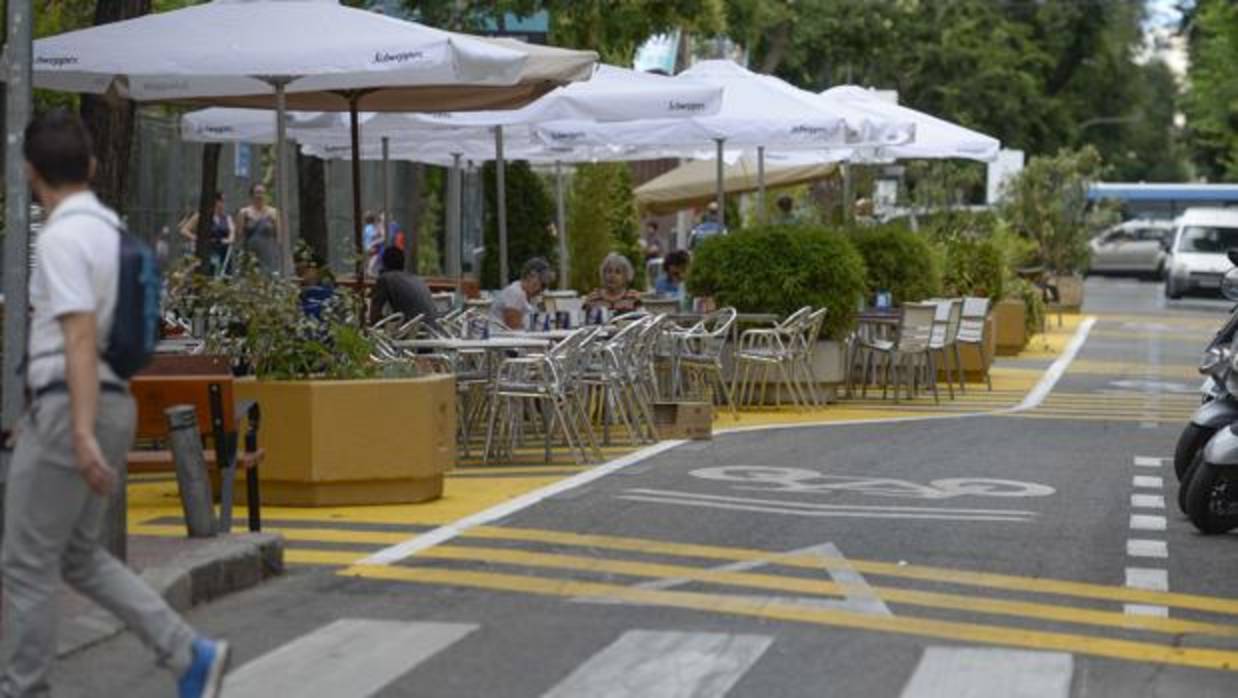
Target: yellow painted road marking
<point x="713" y="603"/>
<point x="889" y="569"/>
<point x="1065" y="614"/>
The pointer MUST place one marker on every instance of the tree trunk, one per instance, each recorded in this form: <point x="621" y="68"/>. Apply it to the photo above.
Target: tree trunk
<point x="312" y="204"/>
<point x="110" y="120"/>
<point x="206" y="202"/>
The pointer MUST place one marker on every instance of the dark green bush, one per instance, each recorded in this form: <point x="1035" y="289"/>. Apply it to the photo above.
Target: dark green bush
<point x="899" y="260"/>
<point x="530" y="211"/>
<point x="778" y="269"/>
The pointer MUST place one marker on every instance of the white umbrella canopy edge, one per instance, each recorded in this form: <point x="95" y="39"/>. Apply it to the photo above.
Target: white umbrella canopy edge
<point x="935" y="137"/>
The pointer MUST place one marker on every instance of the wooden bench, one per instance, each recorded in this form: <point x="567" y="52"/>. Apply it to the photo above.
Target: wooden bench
<point x="205" y="383"/>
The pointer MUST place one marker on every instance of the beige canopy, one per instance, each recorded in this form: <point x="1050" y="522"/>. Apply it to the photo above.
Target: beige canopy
<point x="694" y="184"/>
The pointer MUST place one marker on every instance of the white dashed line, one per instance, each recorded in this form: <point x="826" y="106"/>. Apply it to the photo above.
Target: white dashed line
<point x="1142" y="547"/>
<point x="1148" y="481"/>
<point x="1147" y="501"/>
<point x="1138" y="609"/>
<point x="1144" y="522"/>
<point x="1145" y="462"/>
<point x="1147" y="578"/>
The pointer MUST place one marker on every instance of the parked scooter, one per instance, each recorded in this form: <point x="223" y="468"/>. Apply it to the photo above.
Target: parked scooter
<point x="1208" y="486"/>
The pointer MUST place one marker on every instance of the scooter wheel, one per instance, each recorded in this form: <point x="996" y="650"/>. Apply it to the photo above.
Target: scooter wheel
<point x="1212" y="499"/>
<point x="1190" y="443"/>
<point x="1184" y="482"/>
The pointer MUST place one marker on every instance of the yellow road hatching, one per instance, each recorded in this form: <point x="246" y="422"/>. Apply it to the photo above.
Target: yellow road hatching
<point x="969" y="603"/>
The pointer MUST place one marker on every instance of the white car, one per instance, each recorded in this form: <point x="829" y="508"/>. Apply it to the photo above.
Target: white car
<point x="1198" y="261"/>
<point x="1133" y="247"/>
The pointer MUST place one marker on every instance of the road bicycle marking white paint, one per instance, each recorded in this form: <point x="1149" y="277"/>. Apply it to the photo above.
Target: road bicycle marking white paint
<point x="664" y="664"/>
<point x="765" y="478"/>
<point x="1137" y="609"/>
<point x="850" y="514"/>
<point x="350" y="657"/>
<point x="442" y="534"/>
<point x="1148" y="481"/>
<point x="1147" y="578"/>
<point x="983" y="673"/>
<point x="1147" y="462"/>
<point x="1143" y="547"/>
<point x="1147" y="501"/>
<point x="677" y="494"/>
<point x="1147" y="522"/>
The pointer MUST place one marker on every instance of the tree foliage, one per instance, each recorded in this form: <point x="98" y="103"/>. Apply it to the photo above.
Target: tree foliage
<point x="1212" y="100"/>
<point x="529" y="215"/>
<point x="602" y="219"/>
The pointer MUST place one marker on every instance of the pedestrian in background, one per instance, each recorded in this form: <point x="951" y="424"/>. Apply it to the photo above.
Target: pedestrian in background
<point x="79" y="425"/>
<point x="260" y="228"/>
<point x="221" y="233"/>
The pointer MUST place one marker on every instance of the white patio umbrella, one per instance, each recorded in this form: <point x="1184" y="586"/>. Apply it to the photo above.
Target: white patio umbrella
<point x="612" y="94"/>
<point x="337" y="59"/>
<point x="935" y="138"/>
<point x="758" y="111"/>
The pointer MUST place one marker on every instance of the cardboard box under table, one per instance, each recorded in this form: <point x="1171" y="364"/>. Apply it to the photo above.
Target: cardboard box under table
<point x="684" y="420"/>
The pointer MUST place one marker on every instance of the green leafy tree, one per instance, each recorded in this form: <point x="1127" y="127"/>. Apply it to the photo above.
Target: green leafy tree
<point x="1047" y="203"/>
<point x="602" y="219"/>
<point x="530" y="212"/>
<point x="1212" y="100"/>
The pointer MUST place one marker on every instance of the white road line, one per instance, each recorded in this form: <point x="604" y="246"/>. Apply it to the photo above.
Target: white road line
<point x="1142" y="547"/>
<point x="442" y="534"/>
<point x="1147" y="578"/>
<point x="1147" y="501"/>
<point x="1146" y="462"/>
<point x="827" y="507"/>
<point x="1148" y="481"/>
<point x="664" y="664"/>
<point x="1137" y="609"/>
<point x="1049" y="380"/>
<point x="1145" y="522"/>
<point x="983" y="673"/>
<point x="1149" y="425"/>
<point x="811" y="512"/>
<point x="350" y="657"/>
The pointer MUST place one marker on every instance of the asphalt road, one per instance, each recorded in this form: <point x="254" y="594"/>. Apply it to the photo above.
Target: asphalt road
<point x="1022" y="554"/>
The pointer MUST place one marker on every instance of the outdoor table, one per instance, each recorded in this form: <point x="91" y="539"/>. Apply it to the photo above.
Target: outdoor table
<point x="494" y="343"/>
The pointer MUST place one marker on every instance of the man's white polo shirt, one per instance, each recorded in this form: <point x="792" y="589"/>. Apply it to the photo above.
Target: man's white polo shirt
<point x="77" y="259"/>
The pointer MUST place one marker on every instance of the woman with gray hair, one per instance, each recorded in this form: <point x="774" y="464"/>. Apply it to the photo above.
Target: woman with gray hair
<point x="514" y="303"/>
<point x="615" y="295"/>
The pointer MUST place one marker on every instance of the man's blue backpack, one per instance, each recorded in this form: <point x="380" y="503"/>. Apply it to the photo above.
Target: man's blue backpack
<point x="135" y="323"/>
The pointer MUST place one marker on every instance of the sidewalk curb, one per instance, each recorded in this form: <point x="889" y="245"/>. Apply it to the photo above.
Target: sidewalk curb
<point x="220" y="567"/>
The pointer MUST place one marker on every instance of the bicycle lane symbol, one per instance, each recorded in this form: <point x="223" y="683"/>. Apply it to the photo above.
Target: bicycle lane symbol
<point x="802" y="480"/>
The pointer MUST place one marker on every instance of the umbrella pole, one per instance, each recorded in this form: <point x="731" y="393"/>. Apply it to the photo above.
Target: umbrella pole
<point x="386" y="144"/>
<point x="281" y="174"/>
<point x="453" y="220"/>
<point x="761" y="183"/>
<point x="500" y="186"/>
<point x="718" y="192"/>
<point x="561" y="216"/>
<point x="17" y="108"/>
<point x="355" y="133"/>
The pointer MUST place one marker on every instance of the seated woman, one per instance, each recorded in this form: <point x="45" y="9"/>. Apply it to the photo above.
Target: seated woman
<point x="615" y="294"/>
<point x="512" y="305"/>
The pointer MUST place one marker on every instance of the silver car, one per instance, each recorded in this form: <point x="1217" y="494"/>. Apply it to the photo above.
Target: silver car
<point x="1133" y="247"/>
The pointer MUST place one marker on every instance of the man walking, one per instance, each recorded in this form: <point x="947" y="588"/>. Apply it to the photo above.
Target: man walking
<point x="80" y="422"/>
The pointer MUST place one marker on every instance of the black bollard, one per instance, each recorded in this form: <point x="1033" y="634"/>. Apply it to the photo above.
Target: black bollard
<point x="186" y="443"/>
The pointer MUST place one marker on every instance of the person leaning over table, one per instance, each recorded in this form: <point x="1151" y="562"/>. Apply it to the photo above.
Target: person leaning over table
<point x="674" y="268"/>
<point x="400" y="291"/>
<point x="514" y="303"/>
<point x="616" y="294"/>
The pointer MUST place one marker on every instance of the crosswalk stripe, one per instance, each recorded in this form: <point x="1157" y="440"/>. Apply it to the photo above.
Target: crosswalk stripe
<point x="350" y="657"/>
<point x="664" y="664"/>
<point x="981" y="673"/>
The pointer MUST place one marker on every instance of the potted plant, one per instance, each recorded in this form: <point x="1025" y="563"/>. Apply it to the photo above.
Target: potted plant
<point x="779" y="269"/>
<point x="336" y="432"/>
<point x="1047" y="204"/>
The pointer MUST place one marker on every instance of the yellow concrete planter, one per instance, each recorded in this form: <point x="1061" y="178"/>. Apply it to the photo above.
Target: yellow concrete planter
<point x="332" y="443"/>
<point x="1070" y="292"/>
<point x="1010" y="323"/>
<point x="974" y="366"/>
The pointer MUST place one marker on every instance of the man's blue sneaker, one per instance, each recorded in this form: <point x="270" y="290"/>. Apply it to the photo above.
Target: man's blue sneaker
<point x="205" y="676"/>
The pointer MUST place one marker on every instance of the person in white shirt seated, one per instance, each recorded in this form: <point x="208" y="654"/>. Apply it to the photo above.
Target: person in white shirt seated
<point x="514" y="303"/>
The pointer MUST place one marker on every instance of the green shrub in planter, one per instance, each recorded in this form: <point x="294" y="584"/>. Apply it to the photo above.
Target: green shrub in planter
<point x="778" y="269"/>
<point x="972" y="267"/>
<point x="899" y="260"/>
<point x="1033" y="300"/>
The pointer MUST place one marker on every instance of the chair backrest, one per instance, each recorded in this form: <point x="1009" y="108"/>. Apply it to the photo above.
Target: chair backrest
<point x="811" y="331"/>
<point x="971" y="324"/>
<point x="915" y="328"/>
<point x="443" y="302"/>
<point x="945" y="321"/>
<point x="791" y="321"/>
<point x="954" y="319"/>
<point x="718" y="323"/>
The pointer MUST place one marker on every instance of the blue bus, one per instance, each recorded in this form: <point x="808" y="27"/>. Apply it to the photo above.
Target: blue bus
<point x="1163" y="201"/>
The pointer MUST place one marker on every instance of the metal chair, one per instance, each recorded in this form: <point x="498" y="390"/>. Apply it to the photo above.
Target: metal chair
<point x="903" y="357"/>
<point x="769" y="348"/>
<point x="971" y="333"/>
<point x="698" y="353"/>
<point x="945" y="338"/>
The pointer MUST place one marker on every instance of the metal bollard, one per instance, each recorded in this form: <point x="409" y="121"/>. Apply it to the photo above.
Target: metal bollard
<point x="186" y="443"/>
